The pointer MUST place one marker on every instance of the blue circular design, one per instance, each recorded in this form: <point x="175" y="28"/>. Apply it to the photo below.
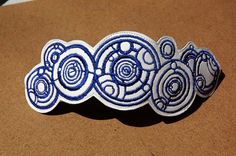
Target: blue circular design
<point x="207" y="72"/>
<point x="52" y="54"/>
<point x="40" y="89"/>
<point x="167" y="49"/>
<point x="126" y="70"/>
<point x="173" y="89"/>
<point x="127" y="65"/>
<point x="74" y="73"/>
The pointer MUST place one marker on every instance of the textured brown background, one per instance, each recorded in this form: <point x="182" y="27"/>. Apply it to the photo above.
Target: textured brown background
<point x="91" y="128"/>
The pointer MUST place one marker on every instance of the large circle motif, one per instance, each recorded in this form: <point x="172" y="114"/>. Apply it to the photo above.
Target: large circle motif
<point x="173" y="89"/>
<point x="125" y="68"/>
<point x="74" y="72"/>
<point x="52" y="54"/>
<point x="40" y="91"/>
<point x="207" y="73"/>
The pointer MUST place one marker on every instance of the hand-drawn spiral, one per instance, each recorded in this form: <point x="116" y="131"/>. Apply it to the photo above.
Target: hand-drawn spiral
<point x="173" y="90"/>
<point x="52" y="54"/>
<point x="74" y="72"/>
<point x="125" y="70"/>
<point x="41" y="91"/>
<point x="206" y="73"/>
<point x="167" y="48"/>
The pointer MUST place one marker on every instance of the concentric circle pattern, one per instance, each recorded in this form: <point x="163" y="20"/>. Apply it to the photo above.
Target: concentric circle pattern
<point x="172" y="89"/>
<point x="127" y="66"/>
<point x="52" y="54"/>
<point x="74" y="73"/>
<point x="167" y="48"/>
<point x="41" y="93"/>
<point x="125" y="71"/>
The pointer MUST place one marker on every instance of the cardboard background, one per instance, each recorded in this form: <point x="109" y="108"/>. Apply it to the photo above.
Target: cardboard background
<point x="209" y="128"/>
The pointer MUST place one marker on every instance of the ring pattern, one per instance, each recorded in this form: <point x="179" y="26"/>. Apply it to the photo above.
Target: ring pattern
<point x="52" y="53"/>
<point x="167" y="48"/>
<point x="173" y="88"/>
<point x="73" y="74"/>
<point x="127" y="66"/>
<point x="125" y="71"/>
<point x="41" y="93"/>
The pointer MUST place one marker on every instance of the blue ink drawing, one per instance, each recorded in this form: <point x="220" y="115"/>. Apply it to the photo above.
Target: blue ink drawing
<point x="125" y="71"/>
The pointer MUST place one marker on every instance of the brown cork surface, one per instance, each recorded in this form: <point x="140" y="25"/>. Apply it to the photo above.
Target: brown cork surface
<point x="209" y="128"/>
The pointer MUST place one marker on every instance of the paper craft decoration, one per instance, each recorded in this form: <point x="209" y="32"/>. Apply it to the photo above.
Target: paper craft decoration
<point x="125" y="71"/>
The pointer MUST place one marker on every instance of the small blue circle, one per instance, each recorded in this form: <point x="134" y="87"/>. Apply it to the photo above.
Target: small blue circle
<point x="167" y="49"/>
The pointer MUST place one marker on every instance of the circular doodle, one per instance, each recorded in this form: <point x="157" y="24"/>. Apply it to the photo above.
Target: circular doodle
<point x="74" y="72"/>
<point x="40" y="91"/>
<point x="167" y="48"/>
<point x="207" y="73"/>
<point x="173" y="90"/>
<point x="125" y="68"/>
<point x="52" y="54"/>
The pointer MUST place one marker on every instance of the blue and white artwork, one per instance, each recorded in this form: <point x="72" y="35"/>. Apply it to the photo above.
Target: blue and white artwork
<point x="125" y="71"/>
